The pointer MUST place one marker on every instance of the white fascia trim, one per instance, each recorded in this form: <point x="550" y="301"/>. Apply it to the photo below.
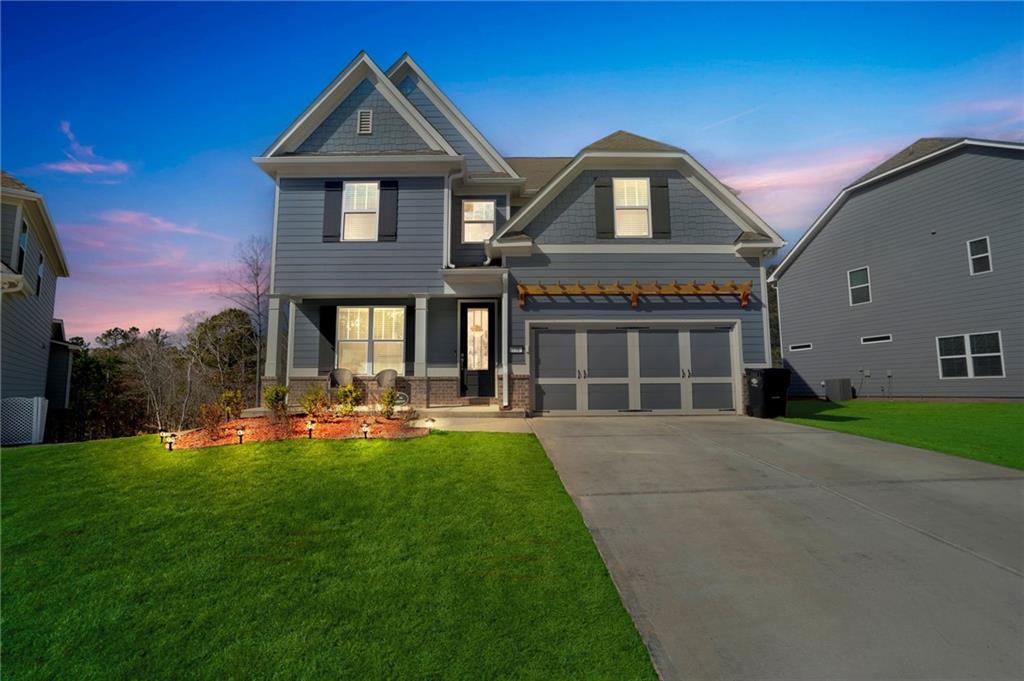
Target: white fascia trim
<point x="452" y="113"/>
<point x="414" y="165"/>
<point x="630" y="248"/>
<point x="706" y="183"/>
<point x="840" y="199"/>
<point x="33" y="203"/>
<point x="359" y="68"/>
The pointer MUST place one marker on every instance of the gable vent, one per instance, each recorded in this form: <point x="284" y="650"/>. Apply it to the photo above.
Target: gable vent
<point x="365" y="124"/>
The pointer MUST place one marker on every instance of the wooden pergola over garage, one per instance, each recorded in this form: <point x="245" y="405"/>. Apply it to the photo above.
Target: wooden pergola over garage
<point x="636" y="289"/>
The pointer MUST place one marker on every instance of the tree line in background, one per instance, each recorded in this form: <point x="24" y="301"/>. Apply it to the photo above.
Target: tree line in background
<point x="131" y="381"/>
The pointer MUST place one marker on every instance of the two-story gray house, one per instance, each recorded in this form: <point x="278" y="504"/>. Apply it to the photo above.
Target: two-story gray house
<point x="35" y="358"/>
<point x="626" y="278"/>
<point x="907" y="284"/>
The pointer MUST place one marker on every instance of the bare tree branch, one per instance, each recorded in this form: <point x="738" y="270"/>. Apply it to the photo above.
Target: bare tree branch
<point x="246" y="284"/>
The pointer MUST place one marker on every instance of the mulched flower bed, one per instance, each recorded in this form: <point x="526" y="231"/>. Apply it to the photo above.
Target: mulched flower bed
<point x="332" y="428"/>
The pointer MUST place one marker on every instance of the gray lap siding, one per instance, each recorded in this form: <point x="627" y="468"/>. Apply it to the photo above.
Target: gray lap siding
<point x="912" y="233"/>
<point x="305" y="264"/>
<point x="644" y="267"/>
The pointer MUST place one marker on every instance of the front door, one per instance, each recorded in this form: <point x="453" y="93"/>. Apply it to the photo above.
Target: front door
<point x="476" y="350"/>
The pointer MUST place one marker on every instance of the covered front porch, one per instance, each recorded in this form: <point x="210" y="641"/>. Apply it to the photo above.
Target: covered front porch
<point x="447" y="349"/>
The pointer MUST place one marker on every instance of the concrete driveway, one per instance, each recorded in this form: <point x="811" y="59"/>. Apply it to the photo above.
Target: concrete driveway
<point x="751" y="549"/>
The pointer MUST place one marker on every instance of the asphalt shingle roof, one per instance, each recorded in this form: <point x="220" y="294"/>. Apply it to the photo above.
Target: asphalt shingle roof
<point x="8" y="181"/>
<point x="627" y="141"/>
<point x="537" y="170"/>
<point x="919" y="149"/>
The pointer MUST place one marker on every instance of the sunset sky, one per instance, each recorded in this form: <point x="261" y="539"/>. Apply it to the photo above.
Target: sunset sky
<point x="138" y="122"/>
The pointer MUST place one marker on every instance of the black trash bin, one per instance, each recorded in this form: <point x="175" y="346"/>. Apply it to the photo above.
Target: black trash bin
<point x="766" y="392"/>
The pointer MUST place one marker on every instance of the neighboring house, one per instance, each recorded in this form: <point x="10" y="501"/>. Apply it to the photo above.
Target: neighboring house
<point x="907" y="284"/>
<point x="626" y="278"/>
<point x="35" y="361"/>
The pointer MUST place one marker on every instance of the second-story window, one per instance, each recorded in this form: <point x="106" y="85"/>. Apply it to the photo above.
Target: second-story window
<point x="19" y="265"/>
<point x="979" y="255"/>
<point x="39" y="275"/>
<point x="360" y="202"/>
<point x="860" y="286"/>
<point x="632" y="206"/>
<point x="477" y="221"/>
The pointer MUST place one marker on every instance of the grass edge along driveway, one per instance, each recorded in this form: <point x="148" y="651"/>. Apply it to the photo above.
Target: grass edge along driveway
<point x="992" y="432"/>
<point x="458" y="555"/>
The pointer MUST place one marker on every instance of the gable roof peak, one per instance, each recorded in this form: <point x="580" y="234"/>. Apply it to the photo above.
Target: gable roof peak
<point x="623" y="140"/>
<point x="912" y="152"/>
<point x="8" y="181"/>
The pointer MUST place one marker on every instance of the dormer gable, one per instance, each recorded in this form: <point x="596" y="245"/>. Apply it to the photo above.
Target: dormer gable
<point x="360" y="113"/>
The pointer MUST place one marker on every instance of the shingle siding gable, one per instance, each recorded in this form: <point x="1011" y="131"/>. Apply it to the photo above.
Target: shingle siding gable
<point x="411" y="88"/>
<point x="337" y="133"/>
<point x="570" y="218"/>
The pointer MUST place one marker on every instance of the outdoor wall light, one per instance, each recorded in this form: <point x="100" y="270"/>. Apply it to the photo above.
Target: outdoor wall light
<point x="366" y="430"/>
<point x="309" y="428"/>
<point x="170" y="442"/>
<point x="240" y="432"/>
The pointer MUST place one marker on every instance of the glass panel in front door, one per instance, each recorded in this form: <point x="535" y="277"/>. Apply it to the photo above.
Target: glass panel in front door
<point x="477" y="352"/>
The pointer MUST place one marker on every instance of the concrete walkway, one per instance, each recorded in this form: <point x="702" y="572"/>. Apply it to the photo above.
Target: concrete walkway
<point x="750" y="549"/>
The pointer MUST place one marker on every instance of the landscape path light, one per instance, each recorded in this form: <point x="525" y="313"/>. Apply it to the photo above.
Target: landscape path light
<point x="430" y="422"/>
<point x="309" y="428"/>
<point x="366" y="430"/>
<point x="163" y="436"/>
<point x="170" y="441"/>
<point x="240" y="432"/>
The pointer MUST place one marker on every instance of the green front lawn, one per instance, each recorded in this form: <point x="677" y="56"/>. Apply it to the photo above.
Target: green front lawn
<point x="458" y="555"/>
<point x="986" y="431"/>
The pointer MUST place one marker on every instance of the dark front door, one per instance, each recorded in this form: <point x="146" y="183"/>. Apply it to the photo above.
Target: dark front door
<point x="476" y="350"/>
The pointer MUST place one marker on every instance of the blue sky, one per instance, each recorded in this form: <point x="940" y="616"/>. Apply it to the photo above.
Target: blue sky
<point x="137" y="121"/>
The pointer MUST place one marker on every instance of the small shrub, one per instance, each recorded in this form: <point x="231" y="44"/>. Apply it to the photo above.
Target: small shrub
<point x="349" y="397"/>
<point x="233" y="403"/>
<point x="386" y="403"/>
<point x="211" y="418"/>
<point x="276" y="399"/>
<point x="316" y="403"/>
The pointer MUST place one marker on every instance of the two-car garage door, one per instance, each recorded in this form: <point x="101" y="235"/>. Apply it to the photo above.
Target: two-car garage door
<point x="677" y="369"/>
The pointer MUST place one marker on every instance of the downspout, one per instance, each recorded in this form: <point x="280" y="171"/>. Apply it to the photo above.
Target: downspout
<point x="449" y="178"/>
<point x="504" y="341"/>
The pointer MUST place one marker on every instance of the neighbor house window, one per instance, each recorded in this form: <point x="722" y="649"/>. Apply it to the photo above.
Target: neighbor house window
<point x="860" y="286"/>
<point x="39" y="275"/>
<point x="371" y="339"/>
<point x="477" y="221"/>
<point x="884" y="338"/>
<point x="800" y="346"/>
<point x="632" y="206"/>
<point x="979" y="256"/>
<point x="359" y="204"/>
<point x="365" y="122"/>
<point x="974" y="355"/>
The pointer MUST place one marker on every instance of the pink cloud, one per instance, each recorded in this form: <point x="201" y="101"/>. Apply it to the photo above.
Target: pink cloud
<point x="82" y="159"/>
<point x="790" y="191"/>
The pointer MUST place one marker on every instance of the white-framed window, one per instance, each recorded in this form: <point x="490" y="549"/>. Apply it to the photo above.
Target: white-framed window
<point x="477" y="221"/>
<point x="971" y="355"/>
<point x="801" y="346"/>
<point x="371" y="339"/>
<point x="632" y="197"/>
<point x="359" y="211"/>
<point x="22" y="248"/>
<point x="859" y="281"/>
<point x="979" y="256"/>
<point x="364" y="122"/>
<point x="881" y="338"/>
<point x="39" y="274"/>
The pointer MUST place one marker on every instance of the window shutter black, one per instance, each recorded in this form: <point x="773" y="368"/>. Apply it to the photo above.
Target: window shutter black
<point x="332" y="211"/>
<point x="387" y="218"/>
<point x="604" y="208"/>
<point x="661" y="220"/>
<point x="328" y="331"/>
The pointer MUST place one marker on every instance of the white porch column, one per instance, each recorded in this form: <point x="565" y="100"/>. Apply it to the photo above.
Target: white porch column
<point x="420" y="355"/>
<point x="292" y="311"/>
<point x="273" y="337"/>
<point x="504" y="341"/>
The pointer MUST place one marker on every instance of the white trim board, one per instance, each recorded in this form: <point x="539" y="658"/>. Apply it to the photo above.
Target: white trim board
<point x="359" y="69"/>
<point x="841" y="198"/>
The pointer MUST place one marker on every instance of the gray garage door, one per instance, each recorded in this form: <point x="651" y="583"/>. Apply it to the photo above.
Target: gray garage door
<point x="680" y="369"/>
